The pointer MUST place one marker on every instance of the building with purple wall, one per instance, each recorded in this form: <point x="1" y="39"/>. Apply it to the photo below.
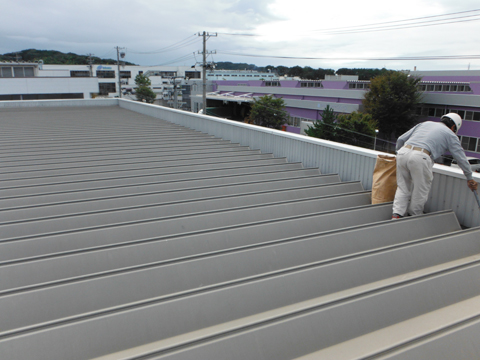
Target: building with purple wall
<point x="453" y="91"/>
<point x="443" y="92"/>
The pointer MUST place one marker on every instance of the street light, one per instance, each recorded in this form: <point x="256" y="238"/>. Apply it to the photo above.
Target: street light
<point x="375" y="143"/>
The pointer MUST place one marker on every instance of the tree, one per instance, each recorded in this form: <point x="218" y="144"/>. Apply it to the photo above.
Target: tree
<point x="357" y="129"/>
<point x="268" y="111"/>
<point x="143" y="91"/>
<point x="392" y="101"/>
<point x="326" y="128"/>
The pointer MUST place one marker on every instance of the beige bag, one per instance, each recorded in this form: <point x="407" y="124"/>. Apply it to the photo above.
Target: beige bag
<point x="384" y="179"/>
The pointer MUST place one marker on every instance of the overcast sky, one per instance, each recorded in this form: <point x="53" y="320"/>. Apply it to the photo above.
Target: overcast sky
<point x="312" y="33"/>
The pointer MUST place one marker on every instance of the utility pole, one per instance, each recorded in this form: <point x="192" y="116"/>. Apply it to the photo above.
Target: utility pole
<point x="122" y="55"/>
<point x="175" y="100"/>
<point x="90" y="62"/>
<point x="204" y="67"/>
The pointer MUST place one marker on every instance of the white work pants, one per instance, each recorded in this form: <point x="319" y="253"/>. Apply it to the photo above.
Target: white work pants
<point x="414" y="179"/>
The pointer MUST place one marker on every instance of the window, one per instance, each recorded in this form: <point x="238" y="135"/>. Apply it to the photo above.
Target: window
<point x="22" y="71"/>
<point x="461" y="88"/>
<point x="358" y="85"/>
<point x="125" y="74"/>
<point x="106" y="74"/>
<point x="438" y="87"/>
<point x="453" y="87"/>
<point x="317" y="84"/>
<point x="476" y="116"/>
<point x="469" y="143"/>
<point x="422" y="87"/>
<point x="430" y="87"/>
<point x="467" y="88"/>
<point x="446" y="88"/>
<point x="106" y="88"/>
<point x="272" y="83"/>
<point x="193" y="74"/>
<point x="469" y="115"/>
<point x="6" y="72"/>
<point x="439" y="112"/>
<point x="79" y="73"/>
<point x="18" y="72"/>
<point x="28" y="71"/>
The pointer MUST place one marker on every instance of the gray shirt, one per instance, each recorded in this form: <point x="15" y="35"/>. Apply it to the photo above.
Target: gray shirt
<point x="437" y="138"/>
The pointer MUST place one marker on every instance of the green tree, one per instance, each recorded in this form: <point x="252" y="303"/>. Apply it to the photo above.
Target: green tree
<point x="296" y="71"/>
<point x="268" y="111"/>
<point x="392" y="101"/>
<point x="357" y="129"/>
<point x="363" y="74"/>
<point x="326" y="128"/>
<point x="143" y="91"/>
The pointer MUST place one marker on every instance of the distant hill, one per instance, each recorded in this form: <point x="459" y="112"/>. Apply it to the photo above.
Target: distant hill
<point x="58" y="58"/>
<point x="53" y="57"/>
<point x="305" y="72"/>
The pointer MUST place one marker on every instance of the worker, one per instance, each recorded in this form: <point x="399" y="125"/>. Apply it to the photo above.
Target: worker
<point x="416" y="150"/>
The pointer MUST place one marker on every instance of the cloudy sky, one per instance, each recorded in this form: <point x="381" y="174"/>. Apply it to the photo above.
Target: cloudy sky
<point x="326" y="34"/>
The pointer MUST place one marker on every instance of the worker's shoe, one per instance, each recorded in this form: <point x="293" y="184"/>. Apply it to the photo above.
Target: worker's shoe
<point x="396" y="216"/>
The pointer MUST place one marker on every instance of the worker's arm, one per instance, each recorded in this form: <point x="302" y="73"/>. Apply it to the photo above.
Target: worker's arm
<point x="458" y="153"/>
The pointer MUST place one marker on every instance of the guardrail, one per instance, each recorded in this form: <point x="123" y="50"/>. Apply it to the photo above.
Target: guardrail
<point x="449" y="190"/>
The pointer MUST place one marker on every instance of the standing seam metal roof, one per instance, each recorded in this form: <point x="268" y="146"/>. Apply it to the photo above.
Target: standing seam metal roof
<point x="126" y="237"/>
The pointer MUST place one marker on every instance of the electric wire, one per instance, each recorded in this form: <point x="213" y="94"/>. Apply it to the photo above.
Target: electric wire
<point x="237" y="34"/>
<point x="403" y="58"/>
<point x="392" y="23"/>
<point x="179" y="45"/>
<point x="401" y="27"/>
<point x="177" y="60"/>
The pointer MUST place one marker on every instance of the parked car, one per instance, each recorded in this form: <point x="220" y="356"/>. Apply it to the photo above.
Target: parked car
<point x="474" y="163"/>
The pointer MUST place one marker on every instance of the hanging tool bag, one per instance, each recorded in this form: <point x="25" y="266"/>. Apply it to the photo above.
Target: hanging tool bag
<point x="384" y="179"/>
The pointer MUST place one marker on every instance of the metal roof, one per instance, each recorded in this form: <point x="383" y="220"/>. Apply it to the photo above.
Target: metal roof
<point x="124" y="236"/>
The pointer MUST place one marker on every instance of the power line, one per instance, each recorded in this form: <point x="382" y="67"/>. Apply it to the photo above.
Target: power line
<point x="180" y="59"/>
<point x="178" y="45"/>
<point x="401" y="27"/>
<point x="398" y="21"/>
<point x="237" y="34"/>
<point x="405" y="58"/>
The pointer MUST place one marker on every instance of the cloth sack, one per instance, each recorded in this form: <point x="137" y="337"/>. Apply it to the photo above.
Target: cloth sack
<point x="384" y="179"/>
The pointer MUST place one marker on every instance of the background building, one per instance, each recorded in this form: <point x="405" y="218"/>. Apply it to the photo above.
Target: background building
<point x="443" y="92"/>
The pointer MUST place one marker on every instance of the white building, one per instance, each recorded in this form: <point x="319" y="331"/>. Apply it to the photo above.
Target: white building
<point x="35" y="81"/>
